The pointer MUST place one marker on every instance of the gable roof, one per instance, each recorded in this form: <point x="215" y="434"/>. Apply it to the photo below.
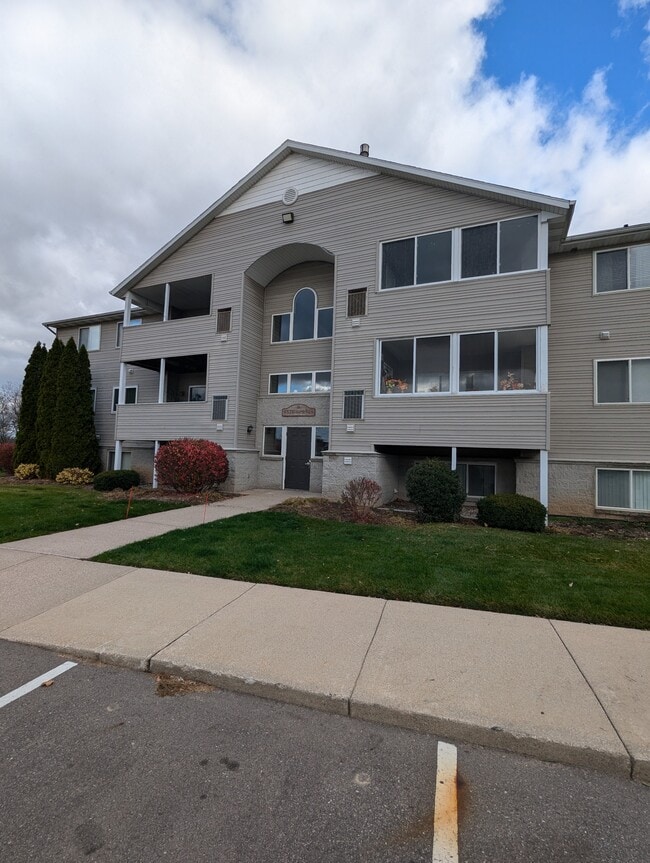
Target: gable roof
<point x="561" y="208"/>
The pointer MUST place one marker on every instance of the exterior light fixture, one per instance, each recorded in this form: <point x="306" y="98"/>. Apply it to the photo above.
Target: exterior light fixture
<point x="287" y="218"/>
<point x="249" y="430"/>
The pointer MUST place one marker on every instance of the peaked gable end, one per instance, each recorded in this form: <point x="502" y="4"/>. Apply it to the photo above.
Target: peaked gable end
<point x="302" y="173"/>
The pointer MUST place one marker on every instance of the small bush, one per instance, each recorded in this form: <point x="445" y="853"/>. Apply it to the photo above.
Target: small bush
<point x="74" y="476"/>
<point x="108" y="480"/>
<point x="359" y="497"/>
<point x="189" y="465"/>
<point x="512" y="512"/>
<point x="435" y="489"/>
<point x="27" y="471"/>
<point x="6" y="457"/>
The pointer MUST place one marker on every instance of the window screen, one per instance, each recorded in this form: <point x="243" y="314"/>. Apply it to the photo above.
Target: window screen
<point x="353" y="404"/>
<point x="219" y="407"/>
<point x="357" y="302"/>
<point x="223" y="320"/>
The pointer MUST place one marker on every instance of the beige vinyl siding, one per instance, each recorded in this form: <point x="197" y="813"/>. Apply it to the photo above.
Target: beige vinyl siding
<point x="170" y="420"/>
<point x="299" y="356"/>
<point x="580" y="429"/>
<point x="169" y="338"/>
<point x="250" y="360"/>
<point x="350" y="221"/>
<point x="303" y="173"/>
<point x="502" y="421"/>
<point x="346" y="220"/>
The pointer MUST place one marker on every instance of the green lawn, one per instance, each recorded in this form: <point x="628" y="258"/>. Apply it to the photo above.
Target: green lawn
<point x="33" y="510"/>
<point x="569" y="577"/>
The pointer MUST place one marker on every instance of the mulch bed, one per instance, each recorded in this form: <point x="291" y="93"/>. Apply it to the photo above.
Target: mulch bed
<point x="143" y="492"/>
<point x="401" y="512"/>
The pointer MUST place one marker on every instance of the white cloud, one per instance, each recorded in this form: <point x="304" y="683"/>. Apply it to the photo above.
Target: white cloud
<point x="122" y="120"/>
<point x="627" y="5"/>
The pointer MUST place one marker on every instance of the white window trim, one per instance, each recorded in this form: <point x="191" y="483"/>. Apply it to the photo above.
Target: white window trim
<point x="313" y="442"/>
<point x="627" y="360"/>
<point x="628" y="289"/>
<point x="317" y="309"/>
<point x="630" y="472"/>
<point x="119" y="329"/>
<point x="363" y="406"/>
<point x="313" y="383"/>
<point x="211" y="400"/>
<point x="283" y="439"/>
<point x="541" y="379"/>
<point x="197" y="386"/>
<point x="114" y="406"/>
<point x="456" y="254"/>
<point x="89" y="327"/>
<point x="482" y="464"/>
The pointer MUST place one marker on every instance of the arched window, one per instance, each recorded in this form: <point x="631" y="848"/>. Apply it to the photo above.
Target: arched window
<point x="305" y="321"/>
<point x="304" y="313"/>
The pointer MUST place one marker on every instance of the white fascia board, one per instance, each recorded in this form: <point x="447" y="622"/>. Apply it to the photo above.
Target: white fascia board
<point x="559" y="206"/>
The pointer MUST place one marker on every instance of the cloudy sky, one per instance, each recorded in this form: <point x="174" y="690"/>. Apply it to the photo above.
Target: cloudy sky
<point x="121" y="120"/>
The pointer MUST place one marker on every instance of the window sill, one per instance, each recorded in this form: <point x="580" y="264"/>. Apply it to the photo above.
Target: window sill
<point x="463" y="394"/>
<point x="622" y="509"/>
<point x="466" y="280"/>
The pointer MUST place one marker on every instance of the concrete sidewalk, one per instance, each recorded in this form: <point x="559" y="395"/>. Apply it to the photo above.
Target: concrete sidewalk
<point x="560" y="691"/>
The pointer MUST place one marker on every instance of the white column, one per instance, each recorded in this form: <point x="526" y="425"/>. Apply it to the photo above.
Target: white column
<point x="122" y="386"/>
<point x="127" y="310"/>
<point x="543" y="477"/>
<point x="118" y="455"/>
<point x="453" y="457"/>
<point x="161" y="382"/>
<point x="156" y="447"/>
<point x="166" y="309"/>
<point x="542" y="359"/>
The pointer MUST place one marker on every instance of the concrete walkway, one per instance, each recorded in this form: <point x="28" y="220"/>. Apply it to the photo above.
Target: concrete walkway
<point x="560" y="691"/>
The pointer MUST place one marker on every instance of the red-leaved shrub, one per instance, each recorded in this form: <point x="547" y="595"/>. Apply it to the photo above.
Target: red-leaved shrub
<point x="6" y="456"/>
<point x="190" y="465"/>
<point x="359" y="497"/>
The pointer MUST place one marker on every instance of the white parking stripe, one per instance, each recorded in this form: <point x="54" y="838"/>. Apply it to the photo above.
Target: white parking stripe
<point x="35" y="683"/>
<point x="445" y="817"/>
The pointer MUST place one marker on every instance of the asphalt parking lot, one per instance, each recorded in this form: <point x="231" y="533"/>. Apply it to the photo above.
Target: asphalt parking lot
<point x="108" y="764"/>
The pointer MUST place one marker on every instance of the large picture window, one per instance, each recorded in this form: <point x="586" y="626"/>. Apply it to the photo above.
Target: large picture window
<point x="419" y="365"/>
<point x="623" y="489"/>
<point x="623" y="381"/>
<point x="485" y="362"/>
<point x="300" y="382"/>
<point x="508" y="246"/>
<point x="623" y="269"/>
<point x="305" y="321"/>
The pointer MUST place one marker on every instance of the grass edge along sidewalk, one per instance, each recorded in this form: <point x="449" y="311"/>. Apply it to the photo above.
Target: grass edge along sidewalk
<point x="35" y="510"/>
<point x="583" y="579"/>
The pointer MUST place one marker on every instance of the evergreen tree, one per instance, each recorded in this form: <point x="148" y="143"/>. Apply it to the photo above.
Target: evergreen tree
<point x="88" y="443"/>
<point x="47" y="403"/>
<point x="74" y="443"/>
<point x="26" y="451"/>
<point x="64" y="449"/>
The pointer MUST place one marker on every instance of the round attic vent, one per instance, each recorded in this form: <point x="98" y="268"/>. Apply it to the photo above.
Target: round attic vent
<point x="290" y="195"/>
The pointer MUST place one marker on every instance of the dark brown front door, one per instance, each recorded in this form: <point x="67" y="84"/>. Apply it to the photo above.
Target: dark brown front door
<point x="298" y="465"/>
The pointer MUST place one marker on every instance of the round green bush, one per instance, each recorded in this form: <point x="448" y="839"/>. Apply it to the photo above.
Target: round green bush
<point x="109" y="480"/>
<point x="512" y="512"/>
<point x="435" y="489"/>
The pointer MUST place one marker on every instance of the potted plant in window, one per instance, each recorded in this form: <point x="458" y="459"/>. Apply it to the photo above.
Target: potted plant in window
<point x="510" y="382"/>
<point x="396" y="385"/>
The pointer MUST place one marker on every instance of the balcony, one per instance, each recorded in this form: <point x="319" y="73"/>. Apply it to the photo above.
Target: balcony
<point x="165" y="421"/>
